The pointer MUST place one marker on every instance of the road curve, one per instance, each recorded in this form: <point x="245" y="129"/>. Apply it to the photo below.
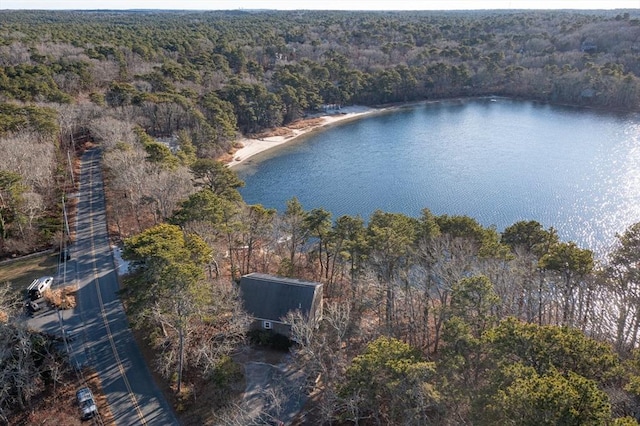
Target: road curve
<point x="105" y="340"/>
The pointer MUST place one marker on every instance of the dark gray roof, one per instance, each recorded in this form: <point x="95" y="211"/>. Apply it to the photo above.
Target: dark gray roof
<point x="271" y="298"/>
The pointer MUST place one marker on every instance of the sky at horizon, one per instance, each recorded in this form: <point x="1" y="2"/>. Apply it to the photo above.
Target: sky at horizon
<point x="318" y="5"/>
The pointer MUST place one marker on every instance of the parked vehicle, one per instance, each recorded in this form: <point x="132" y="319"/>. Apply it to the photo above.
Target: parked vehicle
<point x="87" y="403"/>
<point x="65" y="254"/>
<point x="38" y="287"/>
<point x="32" y="306"/>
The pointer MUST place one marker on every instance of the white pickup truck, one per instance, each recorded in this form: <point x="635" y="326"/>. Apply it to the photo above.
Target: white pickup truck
<point x="38" y="287"/>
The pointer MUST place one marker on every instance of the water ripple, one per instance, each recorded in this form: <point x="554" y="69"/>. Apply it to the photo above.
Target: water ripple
<point x="500" y="162"/>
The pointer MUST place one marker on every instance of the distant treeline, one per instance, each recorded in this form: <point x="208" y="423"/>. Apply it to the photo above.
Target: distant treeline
<point x="216" y="73"/>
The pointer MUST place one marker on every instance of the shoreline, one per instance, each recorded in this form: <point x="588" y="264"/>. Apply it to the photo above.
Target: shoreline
<point x="253" y="146"/>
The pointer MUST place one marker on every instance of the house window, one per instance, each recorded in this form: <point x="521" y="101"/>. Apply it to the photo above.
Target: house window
<point x="266" y="325"/>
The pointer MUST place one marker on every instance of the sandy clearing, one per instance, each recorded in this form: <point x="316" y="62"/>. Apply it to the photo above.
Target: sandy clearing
<point x="251" y="147"/>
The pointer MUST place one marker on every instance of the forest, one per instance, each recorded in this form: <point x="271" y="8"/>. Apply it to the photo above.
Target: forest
<point x="427" y="320"/>
<point x="211" y="76"/>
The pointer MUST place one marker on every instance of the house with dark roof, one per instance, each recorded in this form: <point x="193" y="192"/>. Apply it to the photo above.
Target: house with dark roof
<point x="268" y="299"/>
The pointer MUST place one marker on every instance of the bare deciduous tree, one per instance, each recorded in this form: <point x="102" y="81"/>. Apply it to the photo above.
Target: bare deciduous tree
<point x="109" y="131"/>
<point x="167" y="188"/>
<point x="32" y="207"/>
<point x="128" y="177"/>
<point x="27" y="155"/>
<point x="321" y="352"/>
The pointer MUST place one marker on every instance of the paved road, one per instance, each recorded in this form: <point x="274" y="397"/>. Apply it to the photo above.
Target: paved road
<point x="98" y="328"/>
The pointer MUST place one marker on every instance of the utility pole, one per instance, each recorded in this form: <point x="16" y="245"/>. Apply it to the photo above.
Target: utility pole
<point x="73" y="180"/>
<point x="66" y="221"/>
<point x="63" y="259"/>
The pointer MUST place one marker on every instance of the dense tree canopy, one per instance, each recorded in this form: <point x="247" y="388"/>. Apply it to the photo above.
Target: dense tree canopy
<point x="435" y="319"/>
<point x="210" y="76"/>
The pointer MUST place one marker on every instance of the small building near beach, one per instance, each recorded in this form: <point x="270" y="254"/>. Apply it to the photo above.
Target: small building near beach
<point x="268" y="299"/>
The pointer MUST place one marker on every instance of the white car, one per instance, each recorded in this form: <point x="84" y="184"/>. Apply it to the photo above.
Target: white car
<point x="87" y="403"/>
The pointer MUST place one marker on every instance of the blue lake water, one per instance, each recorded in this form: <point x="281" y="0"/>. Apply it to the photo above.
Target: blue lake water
<point x="499" y="161"/>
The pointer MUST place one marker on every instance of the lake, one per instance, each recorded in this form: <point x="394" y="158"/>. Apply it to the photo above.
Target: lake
<point x="497" y="160"/>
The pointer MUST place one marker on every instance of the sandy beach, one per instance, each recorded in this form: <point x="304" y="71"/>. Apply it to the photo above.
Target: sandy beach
<point x="251" y="147"/>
